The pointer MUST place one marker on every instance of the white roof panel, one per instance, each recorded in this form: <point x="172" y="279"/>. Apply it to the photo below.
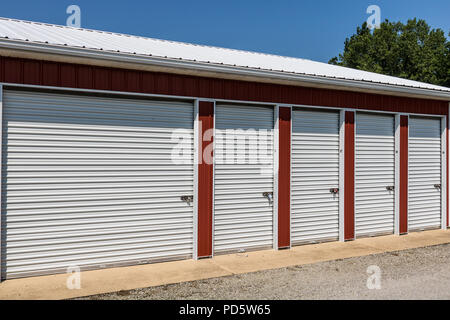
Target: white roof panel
<point x="121" y="43"/>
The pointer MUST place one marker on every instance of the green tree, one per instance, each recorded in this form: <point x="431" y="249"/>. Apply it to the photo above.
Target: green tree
<point x="412" y="50"/>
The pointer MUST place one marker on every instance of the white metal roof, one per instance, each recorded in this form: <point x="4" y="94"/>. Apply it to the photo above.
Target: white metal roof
<point x="51" y="35"/>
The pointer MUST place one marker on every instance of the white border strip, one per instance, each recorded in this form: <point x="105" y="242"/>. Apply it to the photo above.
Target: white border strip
<point x="397" y="176"/>
<point x="213" y="181"/>
<point x="408" y="174"/>
<point x="2" y="214"/>
<point x="341" y="174"/>
<point x="290" y="178"/>
<point x="355" y="113"/>
<point x="195" y="193"/>
<point x="444" y="172"/>
<point x="276" y="153"/>
<point x="447" y="159"/>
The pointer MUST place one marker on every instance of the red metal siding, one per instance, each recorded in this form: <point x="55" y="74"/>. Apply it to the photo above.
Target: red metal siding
<point x="403" y="174"/>
<point x="205" y="182"/>
<point x="68" y="75"/>
<point x="32" y="68"/>
<point x="26" y="71"/>
<point x="13" y="72"/>
<point x="85" y="78"/>
<point x="118" y="81"/>
<point x="50" y="74"/>
<point x="349" y="176"/>
<point x="102" y="79"/>
<point x="133" y="81"/>
<point x="284" y="178"/>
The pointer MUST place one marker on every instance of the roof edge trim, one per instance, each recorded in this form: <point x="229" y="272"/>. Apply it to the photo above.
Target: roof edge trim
<point x="312" y="80"/>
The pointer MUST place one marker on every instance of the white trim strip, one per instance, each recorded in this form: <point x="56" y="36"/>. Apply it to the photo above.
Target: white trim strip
<point x="397" y="177"/>
<point x="341" y="174"/>
<point x="213" y="180"/>
<point x="447" y="158"/>
<point x="290" y="180"/>
<point x="276" y="152"/>
<point x="354" y="175"/>
<point x="407" y="175"/>
<point x="196" y="163"/>
<point x="444" y="172"/>
<point x="2" y="214"/>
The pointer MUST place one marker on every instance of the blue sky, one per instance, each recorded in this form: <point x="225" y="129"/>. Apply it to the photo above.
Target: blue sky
<point x="308" y="29"/>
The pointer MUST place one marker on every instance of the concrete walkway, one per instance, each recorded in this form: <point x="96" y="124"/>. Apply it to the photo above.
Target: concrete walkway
<point x="127" y="278"/>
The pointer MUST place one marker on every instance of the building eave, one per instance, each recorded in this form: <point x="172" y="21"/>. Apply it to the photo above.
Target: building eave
<point x="57" y="53"/>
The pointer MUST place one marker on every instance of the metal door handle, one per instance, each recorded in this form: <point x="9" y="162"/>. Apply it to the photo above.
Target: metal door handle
<point x="268" y="195"/>
<point x="334" y="190"/>
<point x="437" y="186"/>
<point x="187" y="199"/>
<point x="390" y="188"/>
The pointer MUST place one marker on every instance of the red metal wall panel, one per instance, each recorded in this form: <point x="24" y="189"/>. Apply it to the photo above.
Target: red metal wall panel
<point x="148" y="83"/>
<point x="31" y="69"/>
<point x="91" y="77"/>
<point x="403" y="174"/>
<point x="68" y="75"/>
<point x="85" y="78"/>
<point x="284" y="178"/>
<point x="205" y="181"/>
<point x="102" y="79"/>
<point x="118" y="81"/>
<point x="133" y="81"/>
<point x="13" y="71"/>
<point x="349" y="176"/>
<point x="50" y="74"/>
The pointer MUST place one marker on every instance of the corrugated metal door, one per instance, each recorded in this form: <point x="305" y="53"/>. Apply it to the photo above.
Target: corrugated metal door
<point x="89" y="181"/>
<point x="374" y="174"/>
<point x="243" y="214"/>
<point x="315" y="176"/>
<point x="424" y="194"/>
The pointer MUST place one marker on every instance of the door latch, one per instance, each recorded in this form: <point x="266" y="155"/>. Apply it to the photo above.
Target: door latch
<point x="437" y="186"/>
<point x="390" y="188"/>
<point x="187" y="199"/>
<point x="269" y="196"/>
<point x="334" y="190"/>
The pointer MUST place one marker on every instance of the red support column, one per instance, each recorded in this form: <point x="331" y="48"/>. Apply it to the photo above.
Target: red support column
<point x="205" y="180"/>
<point x="349" y="180"/>
<point x="284" y="178"/>
<point x="403" y="174"/>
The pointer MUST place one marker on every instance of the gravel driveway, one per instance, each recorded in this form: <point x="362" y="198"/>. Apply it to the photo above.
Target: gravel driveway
<point x="422" y="273"/>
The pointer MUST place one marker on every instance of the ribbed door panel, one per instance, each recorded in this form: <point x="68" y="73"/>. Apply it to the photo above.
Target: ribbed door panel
<point x="374" y="171"/>
<point x="315" y="170"/>
<point x="243" y="218"/>
<point x="424" y="199"/>
<point x="89" y="182"/>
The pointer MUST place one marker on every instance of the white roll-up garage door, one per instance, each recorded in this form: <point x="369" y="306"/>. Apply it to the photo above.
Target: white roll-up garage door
<point x="315" y="176"/>
<point x="424" y="195"/>
<point x="374" y="174"/>
<point x="90" y="181"/>
<point x="243" y="214"/>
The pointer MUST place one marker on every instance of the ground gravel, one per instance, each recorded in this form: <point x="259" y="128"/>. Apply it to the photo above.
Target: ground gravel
<point x="422" y="273"/>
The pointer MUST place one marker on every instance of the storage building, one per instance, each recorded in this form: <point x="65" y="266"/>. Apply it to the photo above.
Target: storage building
<point x="120" y="150"/>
